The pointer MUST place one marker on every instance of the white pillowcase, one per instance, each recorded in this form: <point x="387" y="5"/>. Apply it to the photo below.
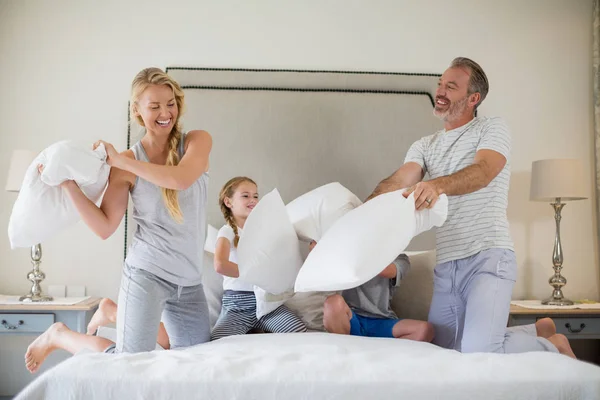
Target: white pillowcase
<point x="307" y="306"/>
<point x="365" y="240"/>
<point x="268" y="251"/>
<point x="315" y="212"/>
<point x="211" y="239"/>
<point x="267" y="302"/>
<point x="312" y="214"/>
<point x="42" y="208"/>
<point x="213" y="285"/>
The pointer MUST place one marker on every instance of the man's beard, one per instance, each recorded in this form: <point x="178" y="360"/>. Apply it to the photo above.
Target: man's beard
<point x="453" y="112"/>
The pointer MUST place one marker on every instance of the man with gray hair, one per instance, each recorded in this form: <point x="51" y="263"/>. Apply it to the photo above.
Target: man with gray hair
<point x="469" y="161"/>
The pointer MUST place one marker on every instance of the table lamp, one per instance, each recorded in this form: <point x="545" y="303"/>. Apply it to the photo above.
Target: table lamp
<point x="19" y="162"/>
<point x="557" y="181"/>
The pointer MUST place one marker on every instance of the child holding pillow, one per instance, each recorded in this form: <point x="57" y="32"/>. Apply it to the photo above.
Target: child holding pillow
<point x="238" y="314"/>
<point x="366" y="310"/>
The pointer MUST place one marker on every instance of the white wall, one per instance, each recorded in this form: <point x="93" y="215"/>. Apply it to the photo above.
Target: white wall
<point x="67" y="64"/>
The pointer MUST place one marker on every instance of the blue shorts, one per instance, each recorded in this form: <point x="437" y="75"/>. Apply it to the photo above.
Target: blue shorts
<point x="372" y="327"/>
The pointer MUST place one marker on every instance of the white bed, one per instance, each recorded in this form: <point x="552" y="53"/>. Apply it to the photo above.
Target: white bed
<point x="317" y="366"/>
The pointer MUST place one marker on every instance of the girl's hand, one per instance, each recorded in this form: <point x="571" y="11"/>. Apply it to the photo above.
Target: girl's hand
<point x="112" y="156"/>
<point x="311" y="245"/>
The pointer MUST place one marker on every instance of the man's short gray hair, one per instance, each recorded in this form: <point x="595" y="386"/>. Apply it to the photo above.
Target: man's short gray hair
<point x="478" y="82"/>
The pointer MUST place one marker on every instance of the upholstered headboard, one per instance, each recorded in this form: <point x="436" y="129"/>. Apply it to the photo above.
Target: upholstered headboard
<point x="297" y="130"/>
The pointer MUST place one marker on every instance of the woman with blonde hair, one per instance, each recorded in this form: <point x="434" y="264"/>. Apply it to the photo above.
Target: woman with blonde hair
<point x="166" y="174"/>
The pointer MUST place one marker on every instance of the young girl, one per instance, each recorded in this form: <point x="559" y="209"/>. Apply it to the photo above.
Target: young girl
<point x="238" y="313"/>
<point x="166" y="175"/>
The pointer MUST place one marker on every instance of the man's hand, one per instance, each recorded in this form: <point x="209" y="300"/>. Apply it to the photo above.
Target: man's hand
<point x="486" y="166"/>
<point x="407" y="175"/>
<point x="426" y="194"/>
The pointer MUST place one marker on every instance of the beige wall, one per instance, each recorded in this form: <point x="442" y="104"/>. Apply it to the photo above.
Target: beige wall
<point x="67" y="64"/>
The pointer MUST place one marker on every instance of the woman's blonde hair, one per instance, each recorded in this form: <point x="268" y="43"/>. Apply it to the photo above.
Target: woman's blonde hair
<point x="227" y="192"/>
<point x="144" y="79"/>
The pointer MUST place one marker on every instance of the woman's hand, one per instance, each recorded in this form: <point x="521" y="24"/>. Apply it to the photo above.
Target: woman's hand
<point x="112" y="156"/>
<point x="68" y="184"/>
<point x="63" y="185"/>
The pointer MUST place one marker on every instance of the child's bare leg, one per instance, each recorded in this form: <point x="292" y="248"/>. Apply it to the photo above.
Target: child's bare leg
<point x="59" y="336"/>
<point x="106" y="314"/>
<point x="545" y="328"/>
<point x="562" y="344"/>
<point x="337" y="315"/>
<point x="421" y="331"/>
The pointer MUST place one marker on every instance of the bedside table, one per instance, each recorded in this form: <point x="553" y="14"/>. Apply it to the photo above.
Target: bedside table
<point x="20" y="324"/>
<point x="581" y="327"/>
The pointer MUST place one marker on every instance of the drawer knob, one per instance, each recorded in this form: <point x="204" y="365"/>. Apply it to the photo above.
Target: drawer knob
<point x="11" y="327"/>
<point x="574" y="330"/>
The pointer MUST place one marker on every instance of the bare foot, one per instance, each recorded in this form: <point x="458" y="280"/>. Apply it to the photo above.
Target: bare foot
<point x="545" y="327"/>
<point x="106" y="314"/>
<point x="42" y="347"/>
<point x="562" y="344"/>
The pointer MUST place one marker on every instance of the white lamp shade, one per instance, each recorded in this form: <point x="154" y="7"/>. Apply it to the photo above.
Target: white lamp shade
<point x="19" y="162"/>
<point x="554" y="178"/>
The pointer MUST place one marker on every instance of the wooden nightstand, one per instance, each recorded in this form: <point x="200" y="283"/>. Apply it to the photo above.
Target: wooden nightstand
<point x="21" y="324"/>
<point x="581" y="327"/>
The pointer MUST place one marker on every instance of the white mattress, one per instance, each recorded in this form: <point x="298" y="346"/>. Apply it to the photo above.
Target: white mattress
<point x="316" y="366"/>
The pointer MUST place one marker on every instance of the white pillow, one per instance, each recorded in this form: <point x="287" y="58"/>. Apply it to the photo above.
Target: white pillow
<point x="315" y="212"/>
<point x="307" y="306"/>
<point x="267" y="302"/>
<point x="268" y="251"/>
<point x="365" y="240"/>
<point x="211" y="239"/>
<point x="213" y="284"/>
<point x="42" y="208"/>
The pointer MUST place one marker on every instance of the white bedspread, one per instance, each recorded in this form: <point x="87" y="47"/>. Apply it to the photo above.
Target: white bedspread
<point x="316" y="366"/>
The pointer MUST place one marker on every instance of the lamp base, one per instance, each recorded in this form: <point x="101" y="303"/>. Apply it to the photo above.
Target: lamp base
<point x="35" y="276"/>
<point x="557" y="281"/>
<point x="35" y="298"/>
<point x="557" y="301"/>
